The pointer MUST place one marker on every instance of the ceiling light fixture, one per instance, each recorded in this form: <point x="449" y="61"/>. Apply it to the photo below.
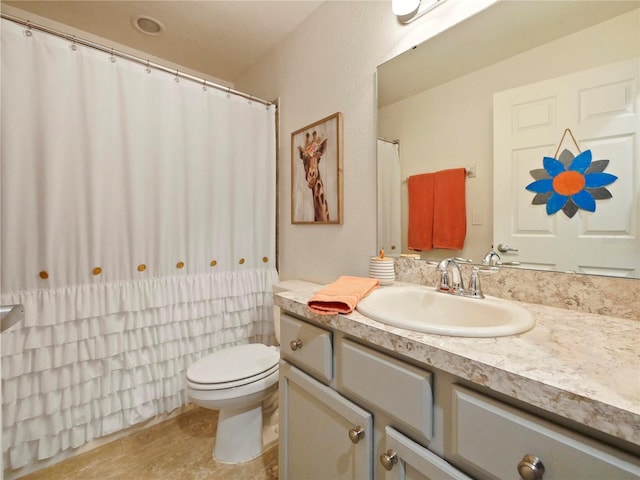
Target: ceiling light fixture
<point x="147" y="25"/>
<point x="409" y="10"/>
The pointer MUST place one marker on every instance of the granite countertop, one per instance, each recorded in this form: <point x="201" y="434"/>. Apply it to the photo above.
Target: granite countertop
<point x="580" y="366"/>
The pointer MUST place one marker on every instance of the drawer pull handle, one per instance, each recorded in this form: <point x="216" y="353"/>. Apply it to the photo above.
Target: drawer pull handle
<point x="356" y="433"/>
<point x="295" y="344"/>
<point x="531" y="468"/>
<point x="389" y="459"/>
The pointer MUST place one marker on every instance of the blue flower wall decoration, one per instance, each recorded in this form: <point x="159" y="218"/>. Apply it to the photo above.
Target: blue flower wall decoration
<point x="570" y="183"/>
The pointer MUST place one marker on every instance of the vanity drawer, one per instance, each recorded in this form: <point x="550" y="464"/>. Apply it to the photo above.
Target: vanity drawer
<point x="493" y="437"/>
<point x="307" y="346"/>
<point x="401" y="390"/>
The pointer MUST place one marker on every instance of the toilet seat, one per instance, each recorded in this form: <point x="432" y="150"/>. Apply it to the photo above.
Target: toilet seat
<point x="233" y="367"/>
<point x="238" y="383"/>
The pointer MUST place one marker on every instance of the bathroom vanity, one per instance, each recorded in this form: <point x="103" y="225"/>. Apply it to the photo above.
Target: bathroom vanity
<point x="361" y="399"/>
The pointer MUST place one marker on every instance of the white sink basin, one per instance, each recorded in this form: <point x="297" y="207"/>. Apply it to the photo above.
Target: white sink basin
<point x="423" y="309"/>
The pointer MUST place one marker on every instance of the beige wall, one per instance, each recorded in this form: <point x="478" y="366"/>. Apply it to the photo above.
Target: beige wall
<point x="325" y="66"/>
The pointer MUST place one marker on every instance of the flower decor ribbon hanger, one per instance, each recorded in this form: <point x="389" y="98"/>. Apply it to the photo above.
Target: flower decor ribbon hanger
<point x="570" y="183"/>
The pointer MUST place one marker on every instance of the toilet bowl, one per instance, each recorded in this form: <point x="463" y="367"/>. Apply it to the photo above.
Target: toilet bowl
<point x="236" y="381"/>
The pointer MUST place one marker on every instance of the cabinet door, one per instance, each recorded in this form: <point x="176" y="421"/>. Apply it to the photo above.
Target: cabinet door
<point x="316" y="430"/>
<point x="408" y="460"/>
<point x="494" y="438"/>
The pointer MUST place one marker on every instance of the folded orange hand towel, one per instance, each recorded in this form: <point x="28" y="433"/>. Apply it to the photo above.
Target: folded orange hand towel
<point x="341" y="296"/>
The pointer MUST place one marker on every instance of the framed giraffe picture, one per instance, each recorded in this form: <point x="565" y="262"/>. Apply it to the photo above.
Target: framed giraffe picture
<point x="316" y="172"/>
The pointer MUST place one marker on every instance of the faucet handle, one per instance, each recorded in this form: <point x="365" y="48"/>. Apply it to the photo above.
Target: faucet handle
<point x="474" y="289"/>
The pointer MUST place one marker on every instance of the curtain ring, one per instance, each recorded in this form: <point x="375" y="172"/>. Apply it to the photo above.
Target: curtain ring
<point x="148" y="69"/>
<point x="112" y="58"/>
<point x="228" y="92"/>
<point x="204" y="85"/>
<point x="177" y="79"/>
<point x="74" y="47"/>
<point x="28" y="32"/>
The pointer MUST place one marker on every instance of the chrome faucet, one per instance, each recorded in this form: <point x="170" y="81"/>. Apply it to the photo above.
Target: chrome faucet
<point x="450" y="283"/>
<point x="453" y="284"/>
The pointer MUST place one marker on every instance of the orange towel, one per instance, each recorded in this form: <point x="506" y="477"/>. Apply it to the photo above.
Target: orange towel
<point x="449" y="213"/>
<point x="421" y="198"/>
<point x="341" y="296"/>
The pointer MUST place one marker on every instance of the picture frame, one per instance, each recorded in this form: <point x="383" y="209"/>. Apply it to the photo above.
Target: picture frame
<point x="316" y="172"/>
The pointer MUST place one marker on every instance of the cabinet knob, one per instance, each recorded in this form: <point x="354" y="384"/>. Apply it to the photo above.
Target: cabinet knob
<point x="356" y="433"/>
<point x="531" y="468"/>
<point x="295" y="344"/>
<point x="389" y="459"/>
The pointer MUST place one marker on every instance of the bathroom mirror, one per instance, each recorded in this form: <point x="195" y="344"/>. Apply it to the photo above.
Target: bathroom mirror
<point x="436" y="111"/>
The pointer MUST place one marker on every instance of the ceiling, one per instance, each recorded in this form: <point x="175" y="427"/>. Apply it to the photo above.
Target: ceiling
<point x="221" y="39"/>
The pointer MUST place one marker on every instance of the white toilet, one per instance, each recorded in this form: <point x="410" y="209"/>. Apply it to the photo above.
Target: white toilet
<point x="236" y="381"/>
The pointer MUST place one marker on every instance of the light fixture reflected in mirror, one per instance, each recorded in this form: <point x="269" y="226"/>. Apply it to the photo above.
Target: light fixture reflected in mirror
<point x="409" y="10"/>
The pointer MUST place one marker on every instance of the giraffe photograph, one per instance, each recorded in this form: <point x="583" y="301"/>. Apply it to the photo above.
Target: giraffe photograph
<point x="316" y="172"/>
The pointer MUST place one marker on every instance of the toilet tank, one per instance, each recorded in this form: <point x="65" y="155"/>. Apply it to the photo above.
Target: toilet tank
<point x="288" y="286"/>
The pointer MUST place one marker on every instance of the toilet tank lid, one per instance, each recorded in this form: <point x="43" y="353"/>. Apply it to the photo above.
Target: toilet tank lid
<point x="233" y="363"/>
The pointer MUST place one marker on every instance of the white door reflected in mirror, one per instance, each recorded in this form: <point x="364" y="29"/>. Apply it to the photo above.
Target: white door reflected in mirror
<point x="603" y="114"/>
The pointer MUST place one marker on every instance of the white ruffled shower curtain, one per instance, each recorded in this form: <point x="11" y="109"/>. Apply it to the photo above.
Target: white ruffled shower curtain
<point x="138" y="231"/>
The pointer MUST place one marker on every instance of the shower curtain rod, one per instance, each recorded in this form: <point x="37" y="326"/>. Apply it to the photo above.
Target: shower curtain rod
<point x="141" y="61"/>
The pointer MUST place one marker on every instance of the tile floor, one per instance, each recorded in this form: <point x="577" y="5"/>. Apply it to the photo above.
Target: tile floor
<point x="177" y="449"/>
